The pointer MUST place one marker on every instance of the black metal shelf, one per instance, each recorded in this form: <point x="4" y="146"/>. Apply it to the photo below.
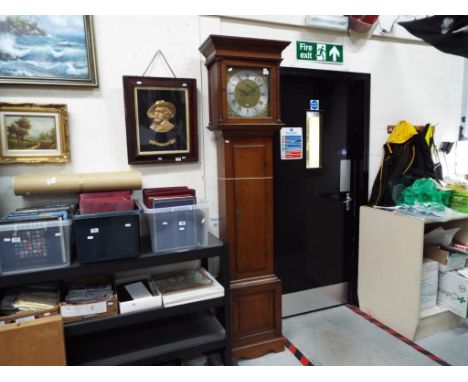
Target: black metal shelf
<point x="122" y="320"/>
<point x="146" y="337"/>
<point x="176" y="337"/>
<point x="146" y="259"/>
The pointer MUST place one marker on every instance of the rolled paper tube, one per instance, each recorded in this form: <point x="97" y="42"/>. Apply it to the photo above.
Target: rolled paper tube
<point x="75" y="183"/>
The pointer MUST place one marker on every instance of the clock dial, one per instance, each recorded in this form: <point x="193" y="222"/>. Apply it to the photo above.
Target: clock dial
<point x="248" y="93"/>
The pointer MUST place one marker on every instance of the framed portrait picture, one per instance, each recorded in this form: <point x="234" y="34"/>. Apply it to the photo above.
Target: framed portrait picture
<point x="161" y="119"/>
<point x="47" y="50"/>
<point x="32" y="133"/>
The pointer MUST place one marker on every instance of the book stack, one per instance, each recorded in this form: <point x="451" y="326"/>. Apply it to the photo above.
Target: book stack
<point x="187" y="286"/>
<point x="95" y="202"/>
<point x="169" y="197"/>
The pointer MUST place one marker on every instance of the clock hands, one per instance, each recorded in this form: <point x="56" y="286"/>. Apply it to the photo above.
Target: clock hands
<point x="251" y="88"/>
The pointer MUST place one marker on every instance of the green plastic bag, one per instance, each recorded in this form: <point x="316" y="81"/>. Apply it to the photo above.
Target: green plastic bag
<point x="424" y="190"/>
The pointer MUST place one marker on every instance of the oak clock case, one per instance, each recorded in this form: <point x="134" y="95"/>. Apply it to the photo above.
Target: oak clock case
<point x="244" y="113"/>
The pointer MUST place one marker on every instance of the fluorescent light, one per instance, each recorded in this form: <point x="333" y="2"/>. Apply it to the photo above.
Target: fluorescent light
<point x="313" y="157"/>
<point x="335" y="23"/>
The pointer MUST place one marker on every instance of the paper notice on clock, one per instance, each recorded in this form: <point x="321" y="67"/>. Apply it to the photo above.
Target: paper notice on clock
<point x="291" y="143"/>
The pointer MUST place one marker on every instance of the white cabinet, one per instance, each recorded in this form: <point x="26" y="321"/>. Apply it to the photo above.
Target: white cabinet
<point x="390" y="267"/>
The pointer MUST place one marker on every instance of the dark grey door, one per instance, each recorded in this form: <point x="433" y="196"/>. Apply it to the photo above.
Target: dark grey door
<point x="316" y="210"/>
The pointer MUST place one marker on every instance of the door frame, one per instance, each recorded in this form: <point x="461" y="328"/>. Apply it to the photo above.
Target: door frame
<point x="360" y="84"/>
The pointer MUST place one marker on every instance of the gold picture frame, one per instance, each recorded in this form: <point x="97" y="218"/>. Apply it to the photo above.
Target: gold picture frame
<point x="34" y="133"/>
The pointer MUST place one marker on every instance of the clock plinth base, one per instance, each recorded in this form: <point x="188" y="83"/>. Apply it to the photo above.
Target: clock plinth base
<point x="256" y="316"/>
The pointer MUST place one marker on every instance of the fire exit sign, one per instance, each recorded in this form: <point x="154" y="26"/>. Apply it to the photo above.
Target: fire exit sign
<point x="319" y="51"/>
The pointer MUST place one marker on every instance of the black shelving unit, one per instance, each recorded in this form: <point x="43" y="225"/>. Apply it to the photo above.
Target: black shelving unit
<point x="149" y="337"/>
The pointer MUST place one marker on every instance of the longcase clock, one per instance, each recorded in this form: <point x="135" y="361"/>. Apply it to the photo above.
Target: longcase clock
<point x="244" y="112"/>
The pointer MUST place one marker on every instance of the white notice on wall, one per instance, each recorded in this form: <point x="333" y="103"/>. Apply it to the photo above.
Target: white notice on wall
<point x="291" y="143"/>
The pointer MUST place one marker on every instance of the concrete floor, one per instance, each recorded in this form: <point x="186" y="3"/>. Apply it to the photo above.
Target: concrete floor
<point x="338" y="336"/>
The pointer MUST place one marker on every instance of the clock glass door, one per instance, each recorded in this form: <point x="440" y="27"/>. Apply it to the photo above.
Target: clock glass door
<point x="248" y="92"/>
<point x="316" y="210"/>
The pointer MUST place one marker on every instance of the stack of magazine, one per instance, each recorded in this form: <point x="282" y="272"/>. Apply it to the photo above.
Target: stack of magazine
<point x="31" y="298"/>
<point x="81" y="293"/>
<point x="41" y="213"/>
<point x="169" y="197"/>
<point x="187" y="286"/>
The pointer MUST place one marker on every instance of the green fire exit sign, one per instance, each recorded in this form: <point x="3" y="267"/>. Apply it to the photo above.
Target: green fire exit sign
<point x="319" y="51"/>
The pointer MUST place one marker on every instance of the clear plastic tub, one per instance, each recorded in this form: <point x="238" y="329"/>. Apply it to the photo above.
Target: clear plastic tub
<point x="177" y="228"/>
<point x="31" y="246"/>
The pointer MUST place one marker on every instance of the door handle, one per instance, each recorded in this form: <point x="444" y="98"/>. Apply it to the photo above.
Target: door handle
<point x="347" y="201"/>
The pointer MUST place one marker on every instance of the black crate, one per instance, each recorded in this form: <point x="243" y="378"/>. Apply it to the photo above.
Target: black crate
<point x="106" y="236"/>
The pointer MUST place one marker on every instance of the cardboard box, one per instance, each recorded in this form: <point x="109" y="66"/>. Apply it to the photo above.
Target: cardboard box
<point x="428" y="301"/>
<point x="429" y="286"/>
<point x="34" y="343"/>
<point x="430" y="269"/>
<point x="24" y="316"/>
<point x="127" y="304"/>
<point x="447" y="261"/>
<point x="453" y="293"/>
<point x="85" y="311"/>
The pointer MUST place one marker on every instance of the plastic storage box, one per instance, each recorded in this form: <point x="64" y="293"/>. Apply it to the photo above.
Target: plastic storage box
<point x="31" y="246"/>
<point x="177" y="228"/>
<point x="107" y="235"/>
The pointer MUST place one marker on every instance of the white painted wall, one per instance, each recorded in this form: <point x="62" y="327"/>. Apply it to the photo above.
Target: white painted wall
<point x="125" y="46"/>
<point x="409" y="81"/>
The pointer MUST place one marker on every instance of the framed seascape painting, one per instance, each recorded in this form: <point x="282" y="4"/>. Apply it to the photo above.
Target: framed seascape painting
<point x="47" y="50"/>
<point x="161" y="119"/>
<point x="32" y="133"/>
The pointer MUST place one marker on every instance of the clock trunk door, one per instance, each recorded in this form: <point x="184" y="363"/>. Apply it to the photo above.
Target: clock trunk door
<point x="251" y="185"/>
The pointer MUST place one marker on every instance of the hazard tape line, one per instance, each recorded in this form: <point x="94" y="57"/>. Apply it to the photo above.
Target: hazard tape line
<point x="398" y="336"/>
<point x="297" y="353"/>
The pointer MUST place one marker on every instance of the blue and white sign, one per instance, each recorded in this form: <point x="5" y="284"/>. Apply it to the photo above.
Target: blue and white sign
<point x="291" y="143"/>
<point x="314" y="104"/>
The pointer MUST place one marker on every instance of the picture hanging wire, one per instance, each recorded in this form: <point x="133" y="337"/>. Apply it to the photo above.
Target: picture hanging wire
<point x="159" y="52"/>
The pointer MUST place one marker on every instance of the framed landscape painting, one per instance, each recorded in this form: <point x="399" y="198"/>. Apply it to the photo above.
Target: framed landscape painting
<point x="47" y="50"/>
<point x="32" y="133"/>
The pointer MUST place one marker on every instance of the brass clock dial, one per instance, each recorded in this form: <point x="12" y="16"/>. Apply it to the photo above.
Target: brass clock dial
<point x="248" y="92"/>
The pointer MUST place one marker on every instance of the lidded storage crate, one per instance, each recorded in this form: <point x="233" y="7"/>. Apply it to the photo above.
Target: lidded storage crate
<point x="31" y="246"/>
<point x="106" y="236"/>
<point x="178" y="227"/>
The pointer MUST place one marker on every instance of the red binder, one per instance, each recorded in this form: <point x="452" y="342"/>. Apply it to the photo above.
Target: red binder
<point x="94" y="202"/>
